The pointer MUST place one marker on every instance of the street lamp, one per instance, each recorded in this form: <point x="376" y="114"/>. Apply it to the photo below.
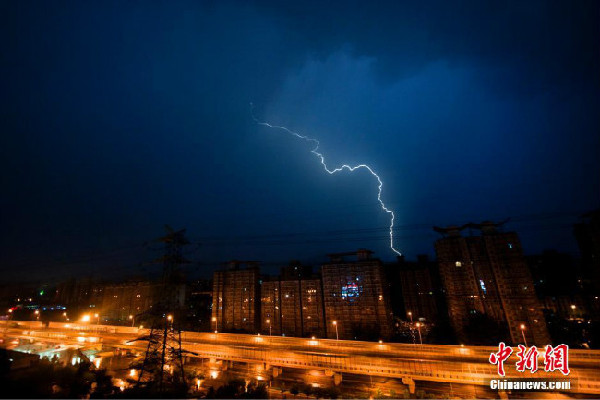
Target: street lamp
<point x="214" y="319"/>
<point x="418" y="324"/>
<point x="410" y="316"/>
<point x="269" y="322"/>
<point x="131" y="317"/>
<point x="170" y="318"/>
<point x="97" y="316"/>
<point x="337" y="337"/>
<point x="37" y="314"/>
<point x="523" y="333"/>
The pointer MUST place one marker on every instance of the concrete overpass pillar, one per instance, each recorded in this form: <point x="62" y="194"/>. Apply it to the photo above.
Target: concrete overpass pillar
<point x="411" y="384"/>
<point x="337" y="379"/>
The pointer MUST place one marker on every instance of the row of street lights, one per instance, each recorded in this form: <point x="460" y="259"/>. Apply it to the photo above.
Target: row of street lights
<point x="268" y="321"/>
<point x="84" y="317"/>
<point x="88" y="317"/>
<point x="334" y="323"/>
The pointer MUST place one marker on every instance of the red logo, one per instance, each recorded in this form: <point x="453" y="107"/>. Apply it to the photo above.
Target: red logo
<point x="502" y="355"/>
<point x="527" y="359"/>
<point x="555" y="358"/>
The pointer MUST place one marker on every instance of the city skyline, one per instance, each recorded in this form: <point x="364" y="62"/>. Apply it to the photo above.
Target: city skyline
<point x="404" y="327"/>
<point x="481" y="289"/>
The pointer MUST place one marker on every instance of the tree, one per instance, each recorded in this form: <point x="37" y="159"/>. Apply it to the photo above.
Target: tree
<point x="256" y="390"/>
<point x="307" y="389"/>
<point x="294" y="390"/>
<point x="104" y="387"/>
<point x="54" y="380"/>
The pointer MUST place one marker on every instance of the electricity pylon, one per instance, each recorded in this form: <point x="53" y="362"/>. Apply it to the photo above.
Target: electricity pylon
<point x="163" y="366"/>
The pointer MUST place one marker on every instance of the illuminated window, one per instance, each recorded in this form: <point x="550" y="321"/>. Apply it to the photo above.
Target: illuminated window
<point x="510" y="246"/>
<point x="482" y="285"/>
<point x="458" y="264"/>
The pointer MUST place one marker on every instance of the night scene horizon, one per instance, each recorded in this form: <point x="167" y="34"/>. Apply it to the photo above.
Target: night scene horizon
<point x="433" y="164"/>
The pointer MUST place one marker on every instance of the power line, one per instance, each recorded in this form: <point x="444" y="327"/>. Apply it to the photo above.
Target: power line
<point x="294" y="238"/>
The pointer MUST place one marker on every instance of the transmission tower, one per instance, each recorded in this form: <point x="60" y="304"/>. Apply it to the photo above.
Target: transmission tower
<point x="163" y="366"/>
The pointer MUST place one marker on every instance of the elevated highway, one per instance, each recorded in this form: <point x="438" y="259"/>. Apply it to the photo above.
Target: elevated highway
<point x="407" y="362"/>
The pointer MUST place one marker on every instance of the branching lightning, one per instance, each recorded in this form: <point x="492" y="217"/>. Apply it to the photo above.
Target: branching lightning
<point x="316" y="152"/>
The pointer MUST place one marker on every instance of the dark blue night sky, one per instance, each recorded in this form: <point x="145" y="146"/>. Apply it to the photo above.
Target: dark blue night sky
<point x="120" y="117"/>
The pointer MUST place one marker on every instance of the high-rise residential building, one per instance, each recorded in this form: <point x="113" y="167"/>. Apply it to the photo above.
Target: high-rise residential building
<point x="313" y="312"/>
<point x="236" y="298"/>
<point x="79" y="293"/>
<point x="122" y="302"/>
<point x="293" y="306"/>
<point x="198" y="305"/>
<point x="355" y="298"/>
<point x="415" y="289"/>
<point x="487" y="275"/>
<point x="559" y="286"/>
<point x="270" y="306"/>
<point x="587" y="233"/>
<point x="348" y="299"/>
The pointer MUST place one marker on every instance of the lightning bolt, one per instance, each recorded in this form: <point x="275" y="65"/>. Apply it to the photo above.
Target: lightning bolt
<point x="316" y="152"/>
